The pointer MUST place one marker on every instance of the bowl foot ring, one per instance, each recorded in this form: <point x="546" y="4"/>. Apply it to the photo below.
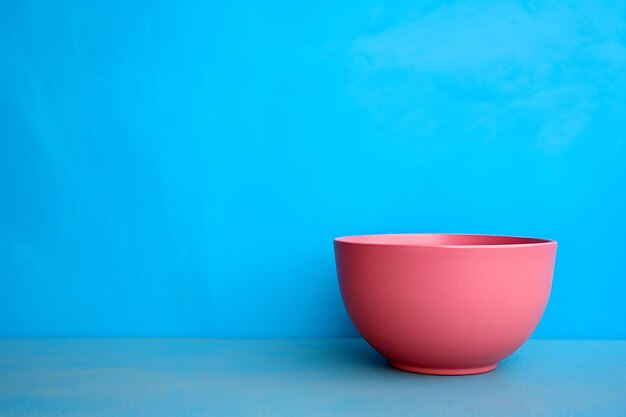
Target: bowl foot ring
<point x="443" y="371"/>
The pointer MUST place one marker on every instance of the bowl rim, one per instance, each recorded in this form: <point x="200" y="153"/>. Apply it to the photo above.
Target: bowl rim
<point x="531" y="241"/>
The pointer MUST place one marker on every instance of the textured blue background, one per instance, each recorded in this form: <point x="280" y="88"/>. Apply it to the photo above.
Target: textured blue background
<point x="180" y="169"/>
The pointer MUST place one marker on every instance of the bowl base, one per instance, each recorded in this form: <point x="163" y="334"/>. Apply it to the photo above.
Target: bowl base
<point x="443" y="371"/>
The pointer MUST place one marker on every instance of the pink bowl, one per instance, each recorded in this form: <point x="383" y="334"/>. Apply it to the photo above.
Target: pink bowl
<point x="445" y="304"/>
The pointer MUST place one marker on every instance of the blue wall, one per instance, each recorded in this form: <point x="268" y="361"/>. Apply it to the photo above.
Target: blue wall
<point x="180" y="169"/>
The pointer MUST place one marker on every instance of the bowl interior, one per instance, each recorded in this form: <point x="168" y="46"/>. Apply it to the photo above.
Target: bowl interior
<point x="440" y="239"/>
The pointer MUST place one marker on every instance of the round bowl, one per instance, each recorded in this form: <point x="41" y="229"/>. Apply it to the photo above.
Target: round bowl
<point x="445" y="304"/>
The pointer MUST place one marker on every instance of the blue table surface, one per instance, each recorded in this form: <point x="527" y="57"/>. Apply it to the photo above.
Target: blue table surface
<point x="297" y="377"/>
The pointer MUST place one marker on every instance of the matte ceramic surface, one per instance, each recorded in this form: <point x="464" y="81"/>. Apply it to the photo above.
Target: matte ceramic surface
<point x="445" y="304"/>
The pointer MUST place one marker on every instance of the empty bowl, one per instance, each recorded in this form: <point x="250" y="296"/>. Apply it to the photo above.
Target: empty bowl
<point x="445" y="304"/>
